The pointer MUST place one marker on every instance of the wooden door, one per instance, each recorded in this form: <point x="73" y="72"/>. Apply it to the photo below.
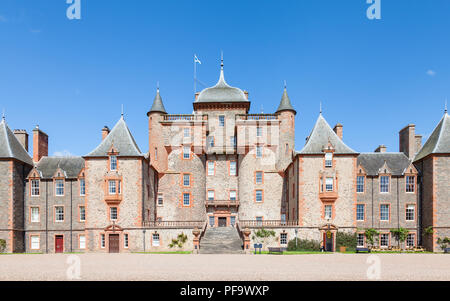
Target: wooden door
<point x="59" y="244"/>
<point x="222" y="221"/>
<point x="113" y="243"/>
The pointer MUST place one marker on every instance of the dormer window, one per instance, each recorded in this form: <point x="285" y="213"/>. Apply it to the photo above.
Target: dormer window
<point x="59" y="187"/>
<point x="384" y="183"/>
<point x="35" y="187"/>
<point x="328" y="159"/>
<point x="113" y="163"/>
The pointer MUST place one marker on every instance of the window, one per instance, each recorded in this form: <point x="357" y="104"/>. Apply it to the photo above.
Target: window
<point x="59" y="213"/>
<point x="232" y="168"/>
<point x="82" y="213"/>
<point x="187" y="132"/>
<point x="329" y="184"/>
<point x="410" y="183"/>
<point x="35" y="187"/>
<point x="411" y="240"/>
<point x="233" y="220"/>
<point x="286" y="149"/>
<point x="360" y="240"/>
<point x="125" y="240"/>
<point x="232" y="195"/>
<point x="328" y="211"/>
<point x="384" y="184"/>
<point x="283" y="239"/>
<point x="82" y="187"/>
<point x="155" y="239"/>
<point x="210" y="195"/>
<point x="35" y="242"/>
<point x="221" y="120"/>
<point x="360" y="184"/>
<point x="384" y="212"/>
<point x="211" y="141"/>
<point x="113" y="213"/>
<point x="160" y="199"/>
<point x="259" y="131"/>
<point x="113" y="163"/>
<point x="360" y="212"/>
<point x="211" y="168"/>
<point x="233" y="141"/>
<point x="186" y="179"/>
<point x="35" y="214"/>
<point x="259" y="177"/>
<point x="119" y="186"/>
<point x="211" y="221"/>
<point x="328" y="159"/>
<point x="82" y="242"/>
<point x="112" y="187"/>
<point x="384" y="240"/>
<point x="259" y="220"/>
<point x="186" y="152"/>
<point x="102" y="240"/>
<point x="259" y="196"/>
<point x="410" y="212"/>
<point x="186" y="199"/>
<point x="258" y="151"/>
<point x="59" y="187"/>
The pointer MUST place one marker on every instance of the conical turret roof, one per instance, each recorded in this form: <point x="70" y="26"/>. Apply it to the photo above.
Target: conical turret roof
<point x="285" y="103"/>
<point x="158" y="105"/>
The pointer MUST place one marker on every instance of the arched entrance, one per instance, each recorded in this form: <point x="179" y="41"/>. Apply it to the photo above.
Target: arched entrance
<point x="113" y="235"/>
<point x="328" y="234"/>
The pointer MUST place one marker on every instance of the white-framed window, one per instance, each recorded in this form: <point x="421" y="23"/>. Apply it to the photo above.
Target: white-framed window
<point x="384" y="212"/>
<point x="113" y="163"/>
<point x="258" y="151"/>
<point x="112" y="187"/>
<point x="283" y="239"/>
<point x="82" y="187"/>
<point x="125" y="240"/>
<point x="233" y="195"/>
<point x="233" y="168"/>
<point x="187" y="132"/>
<point x="410" y="183"/>
<point x="186" y="152"/>
<point x="411" y="240"/>
<point x="102" y="241"/>
<point x="328" y="159"/>
<point x="210" y="195"/>
<point x="259" y="177"/>
<point x="211" y="141"/>
<point x="259" y="195"/>
<point x="329" y="184"/>
<point x="384" y="240"/>
<point x="410" y="212"/>
<point x="35" y="218"/>
<point x="186" y="199"/>
<point x="113" y="213"/>
<point x="328" y="211"/>
<point x="155" y="239"/>
<point x="384" y="184"/>
<point x="360" y="184"/>
<point x="221" y="120"/>
<point x="186" y="179"/>
<point x="360" y="240"/>
<point x="59" y="213"/>
<point x="211" y="220"/>
<point x="259" y="131"/>
<point x="35" y="242"/>
<point x="82" y="242"/>
<point x="211" y="167"/>
<point x="160" y="199"/>
<point x="259" y="220"/>
<point x="360" y="212"/>
<point x="82" y="214"/>
<point x="35" y="187"/>
<point x="59" y="187"/>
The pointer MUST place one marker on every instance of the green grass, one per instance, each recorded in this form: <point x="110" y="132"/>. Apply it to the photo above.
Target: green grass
<point x="293" y="253"/>
<point x="166" y="252"/>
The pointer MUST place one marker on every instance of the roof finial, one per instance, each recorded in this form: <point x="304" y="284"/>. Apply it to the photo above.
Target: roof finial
<point x="320" y="107"/>
<point x="221" y="59"/>
<point x="285" y="85"/>
<point x="122" y="111"/>
<point x="445" y="111"/>
<point x="3" y="115"/>
<point x="157" y="86"/>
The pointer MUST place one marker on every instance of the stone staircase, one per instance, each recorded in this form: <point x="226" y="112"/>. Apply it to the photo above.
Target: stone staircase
<point x="221" y="240"/>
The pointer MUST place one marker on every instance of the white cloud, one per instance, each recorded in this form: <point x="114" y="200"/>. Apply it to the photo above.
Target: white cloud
<point x="64" y="153"/>
<point x="431" y="72"/>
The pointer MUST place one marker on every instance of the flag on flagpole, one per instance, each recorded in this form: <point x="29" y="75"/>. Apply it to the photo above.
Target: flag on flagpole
<point x="196" y="60"/>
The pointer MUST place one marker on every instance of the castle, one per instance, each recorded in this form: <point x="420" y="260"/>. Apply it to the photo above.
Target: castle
<point x="221" y="168"/>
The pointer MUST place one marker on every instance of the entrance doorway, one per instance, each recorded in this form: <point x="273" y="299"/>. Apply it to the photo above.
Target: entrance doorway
<point x="222" y="221"/>
<point x="328" y="241"/>
<point x="113" y="243"/>
<point x="59" y="244"/>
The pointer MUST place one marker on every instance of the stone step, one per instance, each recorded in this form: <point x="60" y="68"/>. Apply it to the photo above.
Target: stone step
<point x="221" y="240"/>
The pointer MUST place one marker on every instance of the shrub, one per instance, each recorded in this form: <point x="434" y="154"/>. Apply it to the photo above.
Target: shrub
<point x="262" y="235"/>
<point x="304" y="245"/>
<point x="371" y="236"/>
<point x="443" y="242"/>
<point x="179" y="242"/>
<point x="344" y="239"/>
<point x="400" y="234"/>
<point x="2" y="245"/>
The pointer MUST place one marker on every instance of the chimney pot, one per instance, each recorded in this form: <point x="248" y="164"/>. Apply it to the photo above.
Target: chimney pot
<point x="381" y="149"/>
<point x="105" y="132"/>
<point x="339" y="130"/>
<point x="22" y="136"/>
<point x="40" y="144"/>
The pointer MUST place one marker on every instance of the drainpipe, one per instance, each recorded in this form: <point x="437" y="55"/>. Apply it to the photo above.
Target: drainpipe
<point x="46" y="216"/>
<point x="71" y="215"/>
<point x="419" y="206"/>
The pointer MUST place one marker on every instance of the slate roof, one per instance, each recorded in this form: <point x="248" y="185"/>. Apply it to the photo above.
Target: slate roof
<point x="71" y="166"/>
<point x="158" y="105"/>
<point x="285" y="103"/>
<point x="372" y="162"/>
<point x="222" y="92"/>
<point x="120" y="137"/>
<point x="321" y="135"/>
<point x="10" y="147"/>
<point x="439" y="141"/>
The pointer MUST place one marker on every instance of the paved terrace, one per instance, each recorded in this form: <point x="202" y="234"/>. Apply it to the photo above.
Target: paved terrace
<point x="225" y="267"/>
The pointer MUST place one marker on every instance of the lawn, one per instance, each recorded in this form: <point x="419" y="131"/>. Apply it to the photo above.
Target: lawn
<point x="167" y="252"/>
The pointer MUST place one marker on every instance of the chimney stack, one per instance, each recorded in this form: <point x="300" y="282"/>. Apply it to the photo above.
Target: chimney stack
<point x="418" y="143"/>
<point x="22" y="136"/>
<point x="105" y="132"/>
<point x="339" y="130"/>
<point x="381" y="149"/>
<point x="408" y="141"/>
<point x="40" y="144"/>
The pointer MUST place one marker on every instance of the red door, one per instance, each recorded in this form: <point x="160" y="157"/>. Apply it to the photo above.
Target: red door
<point x="59" y="244"/>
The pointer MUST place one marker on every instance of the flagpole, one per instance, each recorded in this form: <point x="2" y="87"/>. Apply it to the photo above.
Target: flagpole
<point x="195" y="76"/>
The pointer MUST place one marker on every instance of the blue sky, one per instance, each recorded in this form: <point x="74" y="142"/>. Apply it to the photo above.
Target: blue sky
<point x="373" y="76"/>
